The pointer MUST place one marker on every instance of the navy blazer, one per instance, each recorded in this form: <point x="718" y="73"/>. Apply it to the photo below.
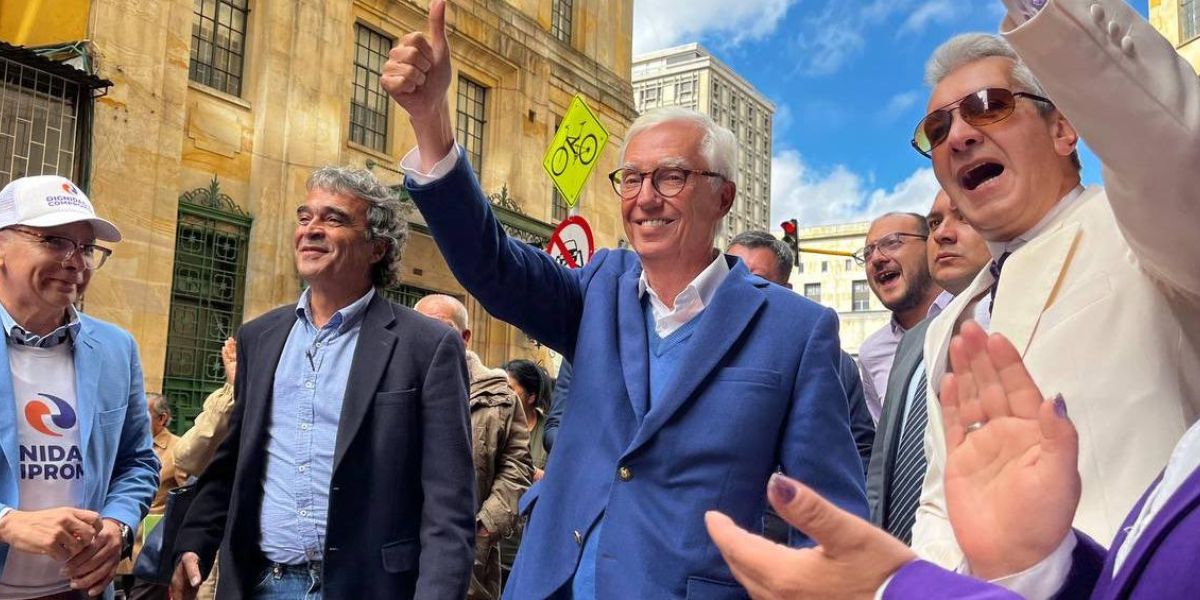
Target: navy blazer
<point x="760" y="388"/>
<point x="401" y="518"/>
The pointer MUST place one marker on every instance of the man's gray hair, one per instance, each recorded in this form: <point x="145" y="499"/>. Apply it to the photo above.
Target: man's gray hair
<point x="718" y="147"/>
<point x="966" y="48"/>
<point x="458" y="312"/>
<point x="784" y="257"/>
<point x="158" y="404"/>
<point x="385" y="214"/>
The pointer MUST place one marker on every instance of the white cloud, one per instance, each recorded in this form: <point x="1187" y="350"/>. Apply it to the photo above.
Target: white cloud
<point x="833" y="37"/>
<point x="840" y="195"/>
<point x="902" y="102"/>
<point x="930" y="11"/>
<point x="659" y="24"/>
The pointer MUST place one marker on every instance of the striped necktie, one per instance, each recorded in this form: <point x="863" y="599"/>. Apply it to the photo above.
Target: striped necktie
<point x="996" y="267"/>
<point x="908" y="472"/>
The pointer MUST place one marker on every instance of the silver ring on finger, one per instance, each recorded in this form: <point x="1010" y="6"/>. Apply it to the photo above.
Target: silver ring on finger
<point x="976" y="426"/>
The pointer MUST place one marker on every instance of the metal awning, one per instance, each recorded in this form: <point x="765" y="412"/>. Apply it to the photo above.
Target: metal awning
<point x="30" y="57"/>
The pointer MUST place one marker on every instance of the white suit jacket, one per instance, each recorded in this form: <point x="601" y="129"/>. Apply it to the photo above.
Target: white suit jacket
<point x="1104" y="305"/>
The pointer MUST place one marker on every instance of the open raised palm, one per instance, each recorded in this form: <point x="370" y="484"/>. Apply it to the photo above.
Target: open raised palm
<point x="1012" y="484"/>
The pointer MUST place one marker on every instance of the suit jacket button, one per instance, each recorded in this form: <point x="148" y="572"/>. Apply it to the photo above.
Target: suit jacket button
<point x="624" y="473"/>
<point x="578" y="537"/>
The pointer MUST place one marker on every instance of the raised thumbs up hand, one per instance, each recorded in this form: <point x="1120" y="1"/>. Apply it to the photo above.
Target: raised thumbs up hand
<point x="417" y="72"/>
<point x="417" y="77"/>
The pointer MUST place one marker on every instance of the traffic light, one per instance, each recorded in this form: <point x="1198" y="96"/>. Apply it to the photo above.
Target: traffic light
<point x="791" y="236"/>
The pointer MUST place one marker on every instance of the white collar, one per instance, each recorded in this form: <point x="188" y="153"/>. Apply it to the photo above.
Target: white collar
<point x="697" y="295"/>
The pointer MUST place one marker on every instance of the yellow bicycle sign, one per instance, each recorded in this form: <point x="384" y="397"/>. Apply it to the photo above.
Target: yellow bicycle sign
<point x="582" y="150"/>
<point x="572" y="155"/>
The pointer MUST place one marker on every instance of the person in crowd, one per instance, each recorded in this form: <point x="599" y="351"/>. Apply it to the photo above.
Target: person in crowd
<point x="500" y="439"/>
<point x="678" y="354"/>
<point x="347" y="468"/>
<point x="169" y="476"/>
<point x="956" y="254"/>
<point x="196" y="447"/>
<point x="531" y="385"/>
<point x="1097" y="287"/>
<point x="898" y="274"/>
<point x="79" y="470"/>
<point x="1009" y="448"/>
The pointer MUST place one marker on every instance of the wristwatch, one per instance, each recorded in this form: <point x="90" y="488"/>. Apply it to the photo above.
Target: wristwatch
<point x="126" y="540"/>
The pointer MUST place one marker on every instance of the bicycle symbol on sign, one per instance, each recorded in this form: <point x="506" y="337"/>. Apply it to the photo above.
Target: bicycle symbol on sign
<point x="571" y="248"/>
<point x="582" y="149"/>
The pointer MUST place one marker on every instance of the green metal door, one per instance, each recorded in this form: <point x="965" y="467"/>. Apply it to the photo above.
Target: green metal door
<point x="207" y="291"/>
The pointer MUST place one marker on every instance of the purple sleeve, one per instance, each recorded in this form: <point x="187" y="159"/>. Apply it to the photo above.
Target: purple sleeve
<point x="924" y="580"/>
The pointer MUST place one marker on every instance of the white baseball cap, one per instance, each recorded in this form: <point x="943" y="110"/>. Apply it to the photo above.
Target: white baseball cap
<point x="50" y="201"/>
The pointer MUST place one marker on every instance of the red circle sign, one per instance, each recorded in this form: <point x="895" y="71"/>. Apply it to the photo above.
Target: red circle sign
<point x="572" y="244"/>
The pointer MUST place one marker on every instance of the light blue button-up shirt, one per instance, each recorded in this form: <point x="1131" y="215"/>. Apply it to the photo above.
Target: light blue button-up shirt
<point x="310" y="384"/>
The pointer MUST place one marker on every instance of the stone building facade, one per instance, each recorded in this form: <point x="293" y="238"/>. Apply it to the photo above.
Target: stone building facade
<point x="219" y="110"/>
<point x="837" y="281"/>
<point x="1179" y="22"/>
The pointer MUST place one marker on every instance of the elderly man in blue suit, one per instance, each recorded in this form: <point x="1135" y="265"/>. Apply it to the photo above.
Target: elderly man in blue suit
<point x="77" y="469"/>
<point x="693" y="379"/>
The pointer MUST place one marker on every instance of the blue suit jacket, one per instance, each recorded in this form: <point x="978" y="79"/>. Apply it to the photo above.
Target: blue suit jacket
<point x="558" y="405"/>
<point x="120" y="469"/>
<point x="760" y="388"/>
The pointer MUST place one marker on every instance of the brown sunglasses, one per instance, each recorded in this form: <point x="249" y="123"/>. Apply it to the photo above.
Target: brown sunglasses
<point x="984" y="107"/>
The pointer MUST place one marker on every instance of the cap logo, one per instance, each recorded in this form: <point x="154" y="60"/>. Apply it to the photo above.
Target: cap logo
<point x="70" y="189"/>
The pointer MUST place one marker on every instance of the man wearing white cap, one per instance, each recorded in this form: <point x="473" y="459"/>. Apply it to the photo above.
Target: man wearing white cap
<point x="77" y="469"/>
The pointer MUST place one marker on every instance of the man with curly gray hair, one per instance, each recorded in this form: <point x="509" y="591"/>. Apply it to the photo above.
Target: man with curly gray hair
<point x="385" y="215"/>
<point x="350" y="438"/>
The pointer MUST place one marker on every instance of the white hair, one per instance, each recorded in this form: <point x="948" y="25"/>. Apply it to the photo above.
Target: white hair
<point x="967" y="48"/>
<point x="458" y="312"/>
<point x="718" y="147"/>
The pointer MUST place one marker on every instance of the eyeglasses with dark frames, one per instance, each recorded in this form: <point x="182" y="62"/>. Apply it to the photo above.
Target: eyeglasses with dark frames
<point x="667" y="181"/>
<point x="63" y="248"/>
<point x="984" y="107"/>
<point x="885" y="245"/>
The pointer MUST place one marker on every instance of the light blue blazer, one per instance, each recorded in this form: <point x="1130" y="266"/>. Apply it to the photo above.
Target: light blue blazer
<point x="119" y="465"/>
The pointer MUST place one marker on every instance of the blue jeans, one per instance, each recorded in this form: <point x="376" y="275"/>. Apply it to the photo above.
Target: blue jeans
<point x="289" y="582"/>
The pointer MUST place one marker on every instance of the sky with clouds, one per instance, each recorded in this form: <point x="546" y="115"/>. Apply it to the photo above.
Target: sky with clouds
<point x="846" y="78"/>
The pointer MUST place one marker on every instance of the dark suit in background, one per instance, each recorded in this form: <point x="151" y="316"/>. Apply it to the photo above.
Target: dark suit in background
<point x="862" y="426"/>
<point x="558" y="404"/>
<point x="880" y="473"/>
